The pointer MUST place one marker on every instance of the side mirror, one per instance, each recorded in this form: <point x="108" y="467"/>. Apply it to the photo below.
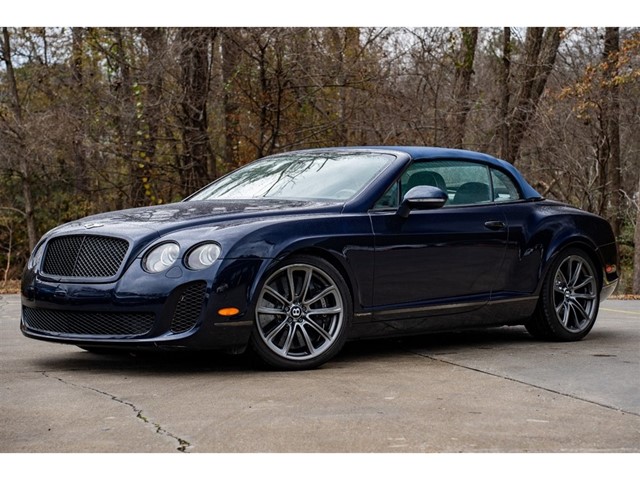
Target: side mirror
<point x="423" y="197"/>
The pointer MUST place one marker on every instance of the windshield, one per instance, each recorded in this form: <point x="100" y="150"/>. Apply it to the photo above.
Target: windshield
<point x="317" y="176"/>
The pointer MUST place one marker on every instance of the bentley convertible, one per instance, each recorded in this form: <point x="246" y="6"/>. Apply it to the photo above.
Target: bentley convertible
<point x="296" y="253"/>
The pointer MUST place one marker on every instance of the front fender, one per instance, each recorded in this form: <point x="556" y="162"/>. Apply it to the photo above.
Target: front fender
<point x="345" y="241"/>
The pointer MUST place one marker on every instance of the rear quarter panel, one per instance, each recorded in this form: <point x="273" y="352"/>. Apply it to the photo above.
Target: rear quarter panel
<point x="538" y="231"/>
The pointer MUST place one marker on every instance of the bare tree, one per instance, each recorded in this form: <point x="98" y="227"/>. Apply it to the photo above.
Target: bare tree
<point x="540" y="49"/>
<point x="505" y="92"/>
<point x="462" y="84"/>
<point x="150" y="99"/>
<point x="195" y="73"/>
<point x="231" y="53"/>
<point x="93" y="119"/>
<point x="636" y="239"/>
<point x="78" y="117"/>
<point x="612" y="195"/>
<point x="17" y="130"/>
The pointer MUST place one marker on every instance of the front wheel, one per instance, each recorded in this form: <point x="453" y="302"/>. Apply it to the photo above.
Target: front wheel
<point x="569" y="300"/>
<point x="302" y="313"/>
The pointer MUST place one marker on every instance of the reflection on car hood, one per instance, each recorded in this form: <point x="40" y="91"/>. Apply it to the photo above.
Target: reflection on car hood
<point x="165" y="218"/>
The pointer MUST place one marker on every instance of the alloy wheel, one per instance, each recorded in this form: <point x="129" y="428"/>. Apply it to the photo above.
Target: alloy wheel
<point x="575" y="294"/>
<point x="300" y="312"/>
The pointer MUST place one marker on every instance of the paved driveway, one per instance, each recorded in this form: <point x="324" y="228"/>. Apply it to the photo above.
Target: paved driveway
<point x="489" y="391"/>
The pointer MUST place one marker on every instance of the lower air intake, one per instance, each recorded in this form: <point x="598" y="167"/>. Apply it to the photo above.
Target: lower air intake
<point x="87" y="323"/>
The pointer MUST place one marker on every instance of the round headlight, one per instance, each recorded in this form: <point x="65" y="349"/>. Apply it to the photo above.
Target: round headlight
<point x="161" y="257"/>
<point x="203" y="256"/>
<point x="36" y="256"/>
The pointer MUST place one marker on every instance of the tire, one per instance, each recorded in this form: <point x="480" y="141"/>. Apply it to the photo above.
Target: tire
<point x="301" y="327"/>
<point x="569" y="300"/>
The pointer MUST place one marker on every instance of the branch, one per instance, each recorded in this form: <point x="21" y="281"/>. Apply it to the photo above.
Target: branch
<point x="11" y="209"/>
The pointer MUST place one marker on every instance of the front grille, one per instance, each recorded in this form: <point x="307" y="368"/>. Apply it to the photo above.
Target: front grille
<point x="188" y="308"/>
<point x="85" y="256"/>
<point x="87" y="323"/>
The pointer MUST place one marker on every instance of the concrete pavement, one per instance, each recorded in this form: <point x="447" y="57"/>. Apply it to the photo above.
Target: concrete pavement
<point x="489" y="391"/>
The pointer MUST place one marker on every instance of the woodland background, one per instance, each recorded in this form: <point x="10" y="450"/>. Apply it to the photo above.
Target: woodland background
<point x="96" y="119"/>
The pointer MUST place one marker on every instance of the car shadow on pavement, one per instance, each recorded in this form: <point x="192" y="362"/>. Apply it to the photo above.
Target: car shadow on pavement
<point x="487" y="338"/>
<point x="170" y="362"/>
<point x="145" y="362"/>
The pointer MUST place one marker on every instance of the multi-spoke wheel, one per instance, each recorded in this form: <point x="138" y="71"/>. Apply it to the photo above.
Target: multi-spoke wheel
<point x="570" y="298"/>
<point x="301" y="314"/>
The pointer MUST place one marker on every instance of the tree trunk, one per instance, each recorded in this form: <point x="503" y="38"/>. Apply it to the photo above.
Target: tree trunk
<point x="505" y="92"/>
<point x="462" y="84"/>
<point x="611" y="131"/>
<point x="265" y="103"/>
<point x="636" y="242"/>
<point x="125" y="119"/>
<point x="77" y="150"/>
<point x="345" y="45"/>
<point x="151" y="113"/>
<point x="197" y="153"/>
<point x="16" y="107"/>
<point x="230" y="61"/>
<point x="540" y="49"/>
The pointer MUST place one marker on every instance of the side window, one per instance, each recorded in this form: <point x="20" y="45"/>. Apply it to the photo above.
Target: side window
<point x="504" y="190"/>
<point x="466" y="183"/>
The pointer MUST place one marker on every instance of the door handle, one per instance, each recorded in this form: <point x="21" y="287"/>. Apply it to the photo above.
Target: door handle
<point x="495" y="225"/>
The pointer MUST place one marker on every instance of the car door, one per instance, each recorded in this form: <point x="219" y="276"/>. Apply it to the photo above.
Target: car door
<point x="440" y="260"/>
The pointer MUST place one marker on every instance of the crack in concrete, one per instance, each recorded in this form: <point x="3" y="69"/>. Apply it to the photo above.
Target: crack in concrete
<point x="522" y="382"/>
<point x="182" y="443"/>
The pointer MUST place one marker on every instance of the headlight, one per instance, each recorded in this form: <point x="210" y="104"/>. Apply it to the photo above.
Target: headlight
<point x="161" y="257"/>
<point x="36" y="256"/>
<point x="203" y="256"/>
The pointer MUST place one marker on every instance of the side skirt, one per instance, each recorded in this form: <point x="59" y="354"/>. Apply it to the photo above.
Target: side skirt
<point x="443" y="317"/>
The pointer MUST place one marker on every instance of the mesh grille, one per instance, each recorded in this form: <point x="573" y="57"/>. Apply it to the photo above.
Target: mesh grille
<point x="188" y="308"/>
<point x="84" y="256"/>
<point x="86" y="323"/>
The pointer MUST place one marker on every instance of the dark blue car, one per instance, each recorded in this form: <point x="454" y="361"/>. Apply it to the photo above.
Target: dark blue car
<point x="296" y="253"/>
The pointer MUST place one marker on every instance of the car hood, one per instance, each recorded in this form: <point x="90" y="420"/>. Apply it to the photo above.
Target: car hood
<point x="163" y="219"/>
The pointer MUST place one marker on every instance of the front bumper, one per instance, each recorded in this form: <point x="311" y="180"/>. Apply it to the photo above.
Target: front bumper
<point x="176" y="309"/>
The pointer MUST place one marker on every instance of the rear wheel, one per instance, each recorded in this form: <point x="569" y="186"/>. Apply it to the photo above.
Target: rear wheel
<point x="302" y="314"/>
<point x="569" y="300"/>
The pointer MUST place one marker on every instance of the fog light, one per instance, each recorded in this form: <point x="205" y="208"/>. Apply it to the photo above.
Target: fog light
<point x="228" y="312"/>
<point x="610" y="269"/>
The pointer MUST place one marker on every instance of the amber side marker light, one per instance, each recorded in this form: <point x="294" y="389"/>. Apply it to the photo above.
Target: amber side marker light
<point x="610" y="268"/>
<point x="228" y="312"/>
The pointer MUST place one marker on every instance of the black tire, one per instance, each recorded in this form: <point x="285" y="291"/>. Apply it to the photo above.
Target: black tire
<point x="569" y="300"/>
<point x="301" y="327"/>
